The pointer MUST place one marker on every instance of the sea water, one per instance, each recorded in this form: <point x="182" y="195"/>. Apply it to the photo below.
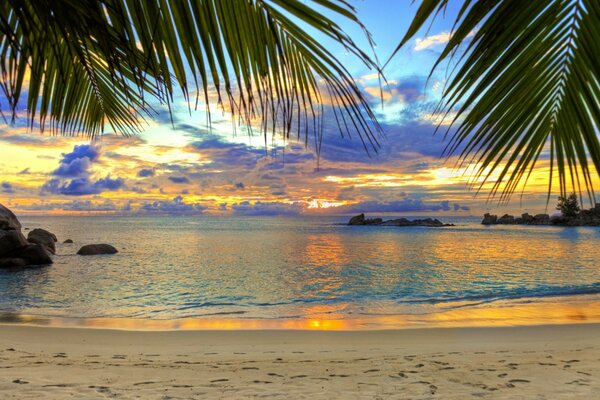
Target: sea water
<point x="297" y="268"/>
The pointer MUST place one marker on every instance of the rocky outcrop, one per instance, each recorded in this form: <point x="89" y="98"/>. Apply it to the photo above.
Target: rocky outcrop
<point x="489" y="219"/>
<point x="589" y="217"/>
<point x="360" y="220"/>
<point x="15" y="249"/>
<point x="43" y="237"/>
<point x="96" y="249"/>
<point x="8" y="220"/>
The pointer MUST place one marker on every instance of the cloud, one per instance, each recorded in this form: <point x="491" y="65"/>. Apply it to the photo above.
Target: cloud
<point x="73" y="176"/>
<point x="179" y="179"/>
<point x="174" y="206"/>
<point x="6" y="187"/>
<point x="142" y="173"/>
<point x="75" y="205"/>
<point x="260" y="208"/>
<point x="431" y="41"/>
<point x="82" y="186"/>
<point x="399" y="206"/>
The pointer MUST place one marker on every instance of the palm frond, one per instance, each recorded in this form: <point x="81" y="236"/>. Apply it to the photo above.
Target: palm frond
<point x="94" y="62"/>
<point x="526" y="87"/>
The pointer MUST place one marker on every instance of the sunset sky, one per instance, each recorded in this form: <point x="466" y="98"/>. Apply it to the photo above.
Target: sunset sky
<point x="186" y="168"/>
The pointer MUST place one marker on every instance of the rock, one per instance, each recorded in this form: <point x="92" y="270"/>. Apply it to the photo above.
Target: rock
<point x="95" y="249"/>
<point x="43" y="237"/>
<point x="526" y="218"/>
<point x="489" y="219"/>
<point x="11" y="241"/>
<point x="506" y="219"/>
<point x="397" y="222"/>
<point x="68" y="241"/>
<point x="541" y="219"/>
<point x="357" y="220"/>
<point x="12" y="262"/>
<point x="361" y="220"/>
<point x="8" y="220"/>
<point x="35" y="254"/>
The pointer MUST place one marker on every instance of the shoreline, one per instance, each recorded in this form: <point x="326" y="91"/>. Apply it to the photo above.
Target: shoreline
<point x="563" y="310"/>
<point x="559" y="361"/>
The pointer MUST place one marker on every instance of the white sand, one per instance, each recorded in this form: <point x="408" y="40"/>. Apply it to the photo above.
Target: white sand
<point x="543" y="362"/>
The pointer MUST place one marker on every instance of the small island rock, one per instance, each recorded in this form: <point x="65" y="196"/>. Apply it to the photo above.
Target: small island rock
<point x="68" y="241"/>
<point x="96" y="249"/>
<point x="361" y="220"/>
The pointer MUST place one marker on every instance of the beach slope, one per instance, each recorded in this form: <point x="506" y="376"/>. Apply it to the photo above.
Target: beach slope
<point x="541" y="362"/>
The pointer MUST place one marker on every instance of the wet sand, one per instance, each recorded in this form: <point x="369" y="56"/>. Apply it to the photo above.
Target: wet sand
<point x="535" y="362"/>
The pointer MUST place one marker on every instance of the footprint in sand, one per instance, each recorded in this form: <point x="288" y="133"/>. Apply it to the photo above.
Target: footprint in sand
<point x="519" y="381"/>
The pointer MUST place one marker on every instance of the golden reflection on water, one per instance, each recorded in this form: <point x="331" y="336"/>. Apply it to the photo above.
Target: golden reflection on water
<point x="553" y="311"/>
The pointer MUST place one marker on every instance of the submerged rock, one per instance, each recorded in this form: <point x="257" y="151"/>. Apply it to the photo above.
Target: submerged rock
<point x="43" y="237"/>
<point x="96" y="249"/>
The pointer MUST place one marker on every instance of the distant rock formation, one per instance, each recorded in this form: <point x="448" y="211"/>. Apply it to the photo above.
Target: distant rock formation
<point x="361" y="220"/>
<point x="589" y="217"/>
<point x="16" y="250"/>
<point x="430" y="222"/>
<point x="96" y="249"/>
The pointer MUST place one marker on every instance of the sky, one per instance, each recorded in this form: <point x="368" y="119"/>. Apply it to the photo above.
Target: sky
<point x="185" y="167"/>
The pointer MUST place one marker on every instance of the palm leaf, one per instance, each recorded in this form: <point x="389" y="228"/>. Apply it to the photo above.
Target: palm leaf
<point x="526" y="87"/>
<point x="98" y="62"/>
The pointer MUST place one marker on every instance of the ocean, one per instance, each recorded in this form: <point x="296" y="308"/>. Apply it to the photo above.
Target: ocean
<point x="305" y="271"/>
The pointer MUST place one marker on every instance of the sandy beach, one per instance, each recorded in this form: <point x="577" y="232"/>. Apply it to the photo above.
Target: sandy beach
<point x="541" y="362"/>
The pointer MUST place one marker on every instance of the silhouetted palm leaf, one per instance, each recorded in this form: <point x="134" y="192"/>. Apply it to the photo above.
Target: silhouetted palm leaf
<point x="526" y="86"/>
<point x="103" y="61"/>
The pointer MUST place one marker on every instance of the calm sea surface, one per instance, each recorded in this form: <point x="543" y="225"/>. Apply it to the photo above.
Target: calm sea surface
<point x="303" y="269"/>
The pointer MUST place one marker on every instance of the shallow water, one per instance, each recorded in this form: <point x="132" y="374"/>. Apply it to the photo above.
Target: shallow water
<point x="301" y="269"/>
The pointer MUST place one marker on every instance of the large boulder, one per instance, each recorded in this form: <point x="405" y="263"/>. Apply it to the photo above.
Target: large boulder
<point x="489" y="219"/>
<point x="43" y="237"/>
<point x="11" y="241"/>
<point x="34" y="254"/>
<point x="95" y="249"/>
<point x="8" y="220"/>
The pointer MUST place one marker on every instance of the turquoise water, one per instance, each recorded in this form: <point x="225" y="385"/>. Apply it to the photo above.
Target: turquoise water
<point x="296" y="268"/>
